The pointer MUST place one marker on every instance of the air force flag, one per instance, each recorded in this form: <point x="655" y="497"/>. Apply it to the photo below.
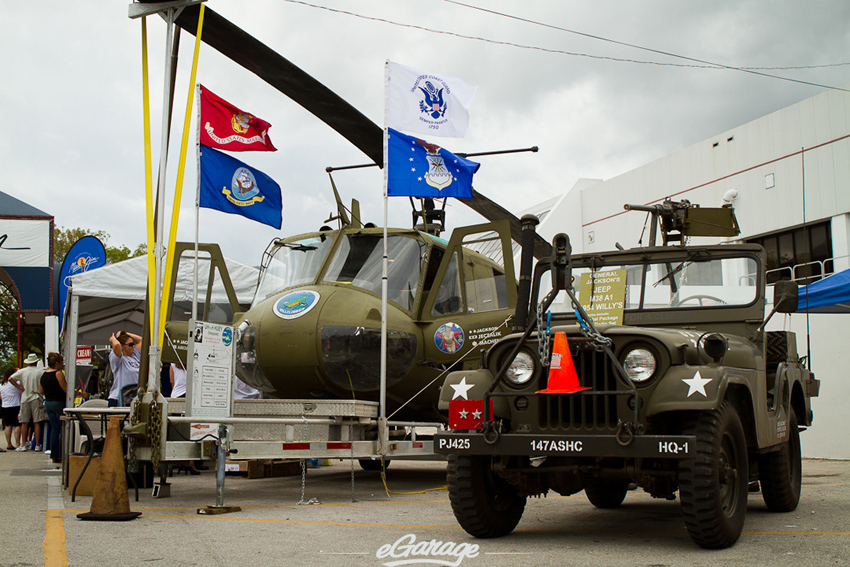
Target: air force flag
<point x="427" y="104"/>
<point x="419" y="169"/>
<point x="230" y="186"/>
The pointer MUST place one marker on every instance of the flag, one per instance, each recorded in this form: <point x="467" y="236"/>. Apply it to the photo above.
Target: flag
<point x="419" y="169"/>
<point x="467" y="414"/>
<point x="230" y="186"/>
<point x="226" y="127"/>
<point x="422" y="103"/>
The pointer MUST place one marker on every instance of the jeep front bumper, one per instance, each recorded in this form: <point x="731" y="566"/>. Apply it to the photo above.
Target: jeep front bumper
<point x="532" y="445"/>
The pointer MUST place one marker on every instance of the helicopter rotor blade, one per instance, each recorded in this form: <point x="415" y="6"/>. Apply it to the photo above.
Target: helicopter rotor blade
<point x="246" y="50"/>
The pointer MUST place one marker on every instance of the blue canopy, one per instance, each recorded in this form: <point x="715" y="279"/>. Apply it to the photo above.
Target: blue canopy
<point x="829" y="295"/>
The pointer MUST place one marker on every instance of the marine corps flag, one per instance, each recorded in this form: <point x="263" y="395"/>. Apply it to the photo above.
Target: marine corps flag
<point x="230" y="186"/>
<point x="226" y="127"/>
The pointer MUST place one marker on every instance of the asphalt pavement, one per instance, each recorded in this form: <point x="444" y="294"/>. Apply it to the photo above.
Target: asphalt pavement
<point x="343" y="515"/>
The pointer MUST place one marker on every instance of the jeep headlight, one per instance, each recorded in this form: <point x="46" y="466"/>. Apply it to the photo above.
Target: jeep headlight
<point x="640" y="364"/>
<point x="521" y="369"/>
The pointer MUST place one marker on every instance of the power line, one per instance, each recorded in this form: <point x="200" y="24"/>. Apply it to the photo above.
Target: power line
<point x="709" y="64"/>
<point x="697" y="63"/>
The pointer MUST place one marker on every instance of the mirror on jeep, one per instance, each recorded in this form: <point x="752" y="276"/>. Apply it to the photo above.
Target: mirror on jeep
<point x="785" y="296"/>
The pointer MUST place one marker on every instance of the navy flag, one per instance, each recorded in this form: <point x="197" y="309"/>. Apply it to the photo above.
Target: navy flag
<point x="230" y="186"/>
<point x="420" y="169"/>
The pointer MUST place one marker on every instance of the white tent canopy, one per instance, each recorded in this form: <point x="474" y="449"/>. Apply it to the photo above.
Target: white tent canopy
<point x="113" y="297"/>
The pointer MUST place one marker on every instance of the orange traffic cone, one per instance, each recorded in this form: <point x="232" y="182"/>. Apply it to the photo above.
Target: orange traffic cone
<point x="562" y="372"/>
<point x="110" y="501"/>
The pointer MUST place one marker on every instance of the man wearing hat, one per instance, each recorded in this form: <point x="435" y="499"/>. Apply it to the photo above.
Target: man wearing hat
<point x="32" y="407"/>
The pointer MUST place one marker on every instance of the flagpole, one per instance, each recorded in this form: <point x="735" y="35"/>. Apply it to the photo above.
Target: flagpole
<point x="197" y="203"/>
<point x="382" y="419"/>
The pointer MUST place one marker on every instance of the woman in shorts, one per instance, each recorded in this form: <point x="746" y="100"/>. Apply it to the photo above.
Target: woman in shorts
<point x="10" y="391"/>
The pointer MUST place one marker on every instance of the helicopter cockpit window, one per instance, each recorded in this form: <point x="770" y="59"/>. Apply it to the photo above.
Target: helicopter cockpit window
<point x="293" y="263"/>
<point x="359" y="259"/>
<point x="485" y="287"/>
<point x="448" y="298"/>
<point x="213" y="304"/>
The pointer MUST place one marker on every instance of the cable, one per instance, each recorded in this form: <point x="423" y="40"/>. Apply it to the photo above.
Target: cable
<point x="698" y="63"/>
<point x="709" y="64"/>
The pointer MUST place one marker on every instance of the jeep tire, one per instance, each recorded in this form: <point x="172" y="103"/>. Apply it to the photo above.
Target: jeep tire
<point x="713" y="482"/>
<point x="484" y="504"/>
<point x="781" y="472"/>
<point x="606" y="493"/>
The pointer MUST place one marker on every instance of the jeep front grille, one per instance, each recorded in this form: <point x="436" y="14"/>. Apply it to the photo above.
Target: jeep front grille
<point x="589" y="410"/>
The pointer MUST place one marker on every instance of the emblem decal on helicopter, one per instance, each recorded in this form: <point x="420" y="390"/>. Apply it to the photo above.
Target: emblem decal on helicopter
<point x="295" y="304"/>
<point x="227" y="336"/>
<point x="244" y="188"/>
<point x="449" y="338"/>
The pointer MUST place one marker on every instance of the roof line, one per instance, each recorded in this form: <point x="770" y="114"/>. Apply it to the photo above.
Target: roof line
<point x="798" y="152"/>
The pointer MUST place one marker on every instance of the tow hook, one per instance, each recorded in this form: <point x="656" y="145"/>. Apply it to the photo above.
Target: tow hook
<point x="629" y="429"/>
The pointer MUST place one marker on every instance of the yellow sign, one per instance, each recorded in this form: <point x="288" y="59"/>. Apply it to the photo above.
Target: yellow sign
<point x="603" y="296"/>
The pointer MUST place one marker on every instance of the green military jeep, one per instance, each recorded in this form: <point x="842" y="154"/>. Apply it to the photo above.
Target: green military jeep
<point x="649" y="367"/>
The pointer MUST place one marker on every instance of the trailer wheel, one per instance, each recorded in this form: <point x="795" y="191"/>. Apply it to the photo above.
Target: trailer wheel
<point x="484" y="504"/>
<point x="606" y="493"/>
<point x="781" y="472"/>
<point x="713" y="482"/>
<point x="373" y="464"/>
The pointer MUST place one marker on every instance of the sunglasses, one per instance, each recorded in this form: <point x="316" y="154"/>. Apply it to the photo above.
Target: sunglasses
<point x="130" y="344"/>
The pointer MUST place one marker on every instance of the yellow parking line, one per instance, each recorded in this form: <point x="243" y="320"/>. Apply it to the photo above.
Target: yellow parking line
<point x="54" y="540"/>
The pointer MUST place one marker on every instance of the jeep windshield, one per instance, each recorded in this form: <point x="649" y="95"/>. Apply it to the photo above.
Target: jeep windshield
<point x="667" y="280"/>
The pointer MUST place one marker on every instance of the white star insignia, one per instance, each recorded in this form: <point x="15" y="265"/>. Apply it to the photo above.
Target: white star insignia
<point x="696" y="385"/>
<point x="476" y="414"/>
<point x="463" y="414"/>
<point x="461" y="389"/>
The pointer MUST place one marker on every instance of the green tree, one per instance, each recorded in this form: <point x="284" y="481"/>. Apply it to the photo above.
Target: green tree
<point x="32" y="337"/>
<point x="64" y="238"/>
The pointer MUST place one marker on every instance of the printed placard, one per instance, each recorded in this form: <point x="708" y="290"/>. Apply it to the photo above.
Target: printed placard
<point x="603" y="296"/>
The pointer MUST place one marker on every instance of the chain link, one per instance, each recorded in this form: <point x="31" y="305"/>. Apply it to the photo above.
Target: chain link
<point x="131" y="441"/>
<point x="543" y="336"/>
<point x="303" y="464"/>
<point x="351" y="442"/>
<point x="155" y="429"/>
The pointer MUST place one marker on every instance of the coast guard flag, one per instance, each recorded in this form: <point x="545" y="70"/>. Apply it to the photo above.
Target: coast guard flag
<point x="230" y="186"/>
<point x="416" y="168"/>
<point x="226" y="127"/>
<point x="428" y="104"/>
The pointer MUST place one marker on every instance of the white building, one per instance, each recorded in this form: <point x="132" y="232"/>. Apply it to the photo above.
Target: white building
<point x="788" y="176"/>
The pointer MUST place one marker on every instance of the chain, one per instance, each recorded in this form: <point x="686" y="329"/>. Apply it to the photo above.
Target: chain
<point x="303" y="464"/>
<point x="131" y="441"/>
<point x="600" y="343"/>
<point x="543" y="335"/>
<point x="351" y="442"/>
<point x="155" y="425"/>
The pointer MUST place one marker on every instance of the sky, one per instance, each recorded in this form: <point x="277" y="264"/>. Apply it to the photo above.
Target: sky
<point x="597" y="103"/>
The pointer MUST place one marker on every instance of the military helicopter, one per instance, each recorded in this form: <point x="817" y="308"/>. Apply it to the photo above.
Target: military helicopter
<point x="313" y="329"/>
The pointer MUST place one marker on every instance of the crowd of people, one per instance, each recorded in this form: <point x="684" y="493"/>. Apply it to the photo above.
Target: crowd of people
<point x="34" y="395"/>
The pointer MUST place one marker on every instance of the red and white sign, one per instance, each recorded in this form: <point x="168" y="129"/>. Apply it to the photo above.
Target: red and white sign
<point x="84" y="354"/>
<point x="467" y="414"/>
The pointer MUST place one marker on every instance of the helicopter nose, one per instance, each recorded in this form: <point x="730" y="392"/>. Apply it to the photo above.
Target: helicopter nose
<point x="326" y="342"/>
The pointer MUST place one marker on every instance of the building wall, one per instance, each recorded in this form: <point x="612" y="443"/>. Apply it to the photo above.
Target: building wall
<point x="787" y="168"/>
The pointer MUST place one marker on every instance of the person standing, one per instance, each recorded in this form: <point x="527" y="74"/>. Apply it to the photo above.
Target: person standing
<point x="178" y="380"/>
<point x="53" y="387"/>
<point x="124" y="360"/>
<point x="31" y="403"/>
<point x="10" y="392"/>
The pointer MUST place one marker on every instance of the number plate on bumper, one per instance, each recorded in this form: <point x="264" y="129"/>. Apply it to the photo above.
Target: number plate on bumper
<point x="645" y="446"/>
